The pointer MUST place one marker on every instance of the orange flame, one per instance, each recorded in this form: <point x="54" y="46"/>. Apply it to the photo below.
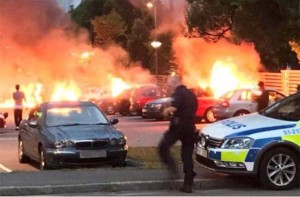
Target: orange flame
<point x="32" y="93"/>
<point x="66" y="91"/>
<point x="118" y="85"/>
<point x="225" y="76"/>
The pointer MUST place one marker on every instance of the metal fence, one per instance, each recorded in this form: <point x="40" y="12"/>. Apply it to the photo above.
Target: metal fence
<point x="286" y="81"/>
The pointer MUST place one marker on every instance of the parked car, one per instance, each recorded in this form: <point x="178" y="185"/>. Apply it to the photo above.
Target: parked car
<point x="142" y="94"/>
<point x="3" y="118"/>
<point x="154" y="108"/>
<point x="92" y="93"/>
<point x="123" y="101"/>
<point x="240" y="102"/>
<point x="108" y="105"/>
<point x="70" y="133"/>
<point x="119" y="104"/>
<point x="264" y="144"/>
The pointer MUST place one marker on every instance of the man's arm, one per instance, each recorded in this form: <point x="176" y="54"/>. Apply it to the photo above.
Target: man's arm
<point x="169" y="110"/>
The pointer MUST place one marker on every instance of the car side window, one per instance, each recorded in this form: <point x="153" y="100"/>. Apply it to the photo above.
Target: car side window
<point x="35" y="114"/>
<point x="291" y="110"/>
<point x="275" y="96"/>
<point x="245" y="95"/>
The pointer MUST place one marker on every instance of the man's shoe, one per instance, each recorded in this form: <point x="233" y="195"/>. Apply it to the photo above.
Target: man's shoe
<point x="186" y="189"/>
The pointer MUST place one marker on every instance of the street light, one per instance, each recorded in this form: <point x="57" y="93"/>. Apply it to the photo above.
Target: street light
<point x="155" y="44"/>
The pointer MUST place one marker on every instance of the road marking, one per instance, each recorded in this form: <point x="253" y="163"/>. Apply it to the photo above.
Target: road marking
<point x="5" y="168"/>
<point x="7" y="138"/>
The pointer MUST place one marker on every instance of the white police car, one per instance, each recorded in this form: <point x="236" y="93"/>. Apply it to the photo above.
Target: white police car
<point x="264" y="144"/>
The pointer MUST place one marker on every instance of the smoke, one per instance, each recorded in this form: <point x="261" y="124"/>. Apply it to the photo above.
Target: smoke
<point x="196" y="58"/>
<point x="35" y="47"/>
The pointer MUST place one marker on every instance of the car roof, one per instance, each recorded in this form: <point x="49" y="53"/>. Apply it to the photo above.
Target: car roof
<point x="51" y="104"/>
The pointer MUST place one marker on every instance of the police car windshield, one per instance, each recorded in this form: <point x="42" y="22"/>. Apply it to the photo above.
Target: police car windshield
<point x="285" y="109"/>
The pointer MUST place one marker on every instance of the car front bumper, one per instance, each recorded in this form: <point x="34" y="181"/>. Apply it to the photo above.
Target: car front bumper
<point x="59" y="157"/>
<point x="211" y="159"/>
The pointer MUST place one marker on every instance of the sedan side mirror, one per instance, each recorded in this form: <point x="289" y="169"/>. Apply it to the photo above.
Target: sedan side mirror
<point x="114" y="121"/>
<point x="33" y="123"/>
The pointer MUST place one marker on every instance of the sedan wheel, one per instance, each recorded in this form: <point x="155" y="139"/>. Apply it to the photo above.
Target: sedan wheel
<point x="209" y="115"/>
<point x="241" y="113"/>
<point x="22" y="157"/>
<point x="43" y="163"/>
<point x="110" y="110"/>
<point x="279" y="169"/>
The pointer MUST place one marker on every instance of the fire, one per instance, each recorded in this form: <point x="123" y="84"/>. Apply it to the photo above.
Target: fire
<point x="118" y="85"/>
<point x="66" y="91"/>
<point x="32" y="93"/>
<point x="225" y="76"/>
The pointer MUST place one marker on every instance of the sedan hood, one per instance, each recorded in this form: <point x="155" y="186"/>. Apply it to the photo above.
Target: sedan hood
<point x="245" y="125"/>
<point x="84" y="132"/>
<point x="161" y="101"/>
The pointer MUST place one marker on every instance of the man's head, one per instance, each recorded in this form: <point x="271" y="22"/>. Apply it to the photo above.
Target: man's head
<point x="173" y="82"/>
<point x="261" y="85"/>
<point x="17" y="87"/>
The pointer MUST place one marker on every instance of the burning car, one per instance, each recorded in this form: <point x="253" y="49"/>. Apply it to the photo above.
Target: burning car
<point x="3" y="118"/>
<point x="70" y="133"/>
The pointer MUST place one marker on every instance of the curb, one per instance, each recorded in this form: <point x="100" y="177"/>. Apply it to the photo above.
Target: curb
<point x="110" y="187"/>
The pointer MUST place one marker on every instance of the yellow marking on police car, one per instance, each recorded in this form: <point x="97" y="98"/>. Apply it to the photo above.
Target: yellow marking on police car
<point x="234" y="155"/>
<point x="292" y="138"/>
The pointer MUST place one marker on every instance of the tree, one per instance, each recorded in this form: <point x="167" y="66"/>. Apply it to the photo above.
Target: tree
<point x="269" y="24"/>
<point x="108" y="28"/>
<point x="137" y="43"/>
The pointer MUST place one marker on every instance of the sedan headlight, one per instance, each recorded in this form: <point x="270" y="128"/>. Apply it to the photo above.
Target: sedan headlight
<point x="122" y="141"/>
<point x="63" y="144"/>
<point x="58" y="144"/>
<point x="238" y="143"/>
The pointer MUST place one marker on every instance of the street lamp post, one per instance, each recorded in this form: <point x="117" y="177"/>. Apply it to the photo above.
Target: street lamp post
<point x="155" y="44"/>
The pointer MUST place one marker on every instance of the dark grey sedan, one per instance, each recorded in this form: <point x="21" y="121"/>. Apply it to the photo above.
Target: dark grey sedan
<point x="70" y="133"/>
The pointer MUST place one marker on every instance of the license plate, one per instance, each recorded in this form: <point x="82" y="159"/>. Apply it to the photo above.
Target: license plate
<point x="202" y="152"/>
<point x="92" y="154"/>
<point x="143" y="110"/>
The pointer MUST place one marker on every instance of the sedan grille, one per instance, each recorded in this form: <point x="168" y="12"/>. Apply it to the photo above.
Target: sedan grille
<point x="212" y="142"/>
<point x="215" y="143"/>
<point x="91" y="144"/>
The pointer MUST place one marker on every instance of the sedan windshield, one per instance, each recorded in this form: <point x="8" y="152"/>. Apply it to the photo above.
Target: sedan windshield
<point x="79" y="115"/>
<point x="285" y="109"/>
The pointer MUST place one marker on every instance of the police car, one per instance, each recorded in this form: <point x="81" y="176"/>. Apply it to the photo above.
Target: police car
<point x="264" y="144"/>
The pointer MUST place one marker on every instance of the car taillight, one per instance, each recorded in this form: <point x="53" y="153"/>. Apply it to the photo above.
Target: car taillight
<point x="225" y="104"/>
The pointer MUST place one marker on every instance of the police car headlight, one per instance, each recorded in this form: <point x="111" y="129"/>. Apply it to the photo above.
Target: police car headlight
<point x="238" y="143"/>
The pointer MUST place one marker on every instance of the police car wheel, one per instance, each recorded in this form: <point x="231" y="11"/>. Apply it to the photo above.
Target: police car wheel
<point x="279" y="169"/>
